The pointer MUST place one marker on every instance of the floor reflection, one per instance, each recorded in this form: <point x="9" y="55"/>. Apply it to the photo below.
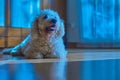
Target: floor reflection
<point x="4" y="72"/>
<point x="58" y="70"/>
<point x="24" y="72"/>
<point x="52" y="71"/>
<point x="100" y="70"/>
<point x="62" y="70"/>
<point x="36" y="71"/>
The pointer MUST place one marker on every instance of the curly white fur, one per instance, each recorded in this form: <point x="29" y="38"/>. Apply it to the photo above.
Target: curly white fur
<point x="41" y="43"/>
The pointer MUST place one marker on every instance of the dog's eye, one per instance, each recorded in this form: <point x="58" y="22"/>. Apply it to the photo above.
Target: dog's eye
<point x="45" y="17"/>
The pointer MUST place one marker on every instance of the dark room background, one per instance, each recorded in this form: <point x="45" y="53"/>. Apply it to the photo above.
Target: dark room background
<point x="88" y="23"/>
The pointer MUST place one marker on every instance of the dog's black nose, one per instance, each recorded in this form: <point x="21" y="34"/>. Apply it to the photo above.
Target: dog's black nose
<point x="53" y="20"/>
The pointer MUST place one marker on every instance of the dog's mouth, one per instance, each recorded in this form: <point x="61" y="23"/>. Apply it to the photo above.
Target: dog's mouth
<point x="51" y="28"/>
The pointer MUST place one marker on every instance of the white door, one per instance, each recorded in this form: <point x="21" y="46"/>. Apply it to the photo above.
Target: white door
<point x="94" y="22"/>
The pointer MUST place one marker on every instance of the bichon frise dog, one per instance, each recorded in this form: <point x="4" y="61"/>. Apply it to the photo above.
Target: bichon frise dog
<point x="45" y="39"/>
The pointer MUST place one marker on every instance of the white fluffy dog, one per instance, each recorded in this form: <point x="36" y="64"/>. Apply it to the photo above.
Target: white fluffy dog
<point x="45" y="39"/>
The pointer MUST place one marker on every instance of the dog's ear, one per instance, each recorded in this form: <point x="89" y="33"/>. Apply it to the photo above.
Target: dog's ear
<point x="62" y="26"/>
<point x="61" y="31"/>
<point x="34" y="28"/>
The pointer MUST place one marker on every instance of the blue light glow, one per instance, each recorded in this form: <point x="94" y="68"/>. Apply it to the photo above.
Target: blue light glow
<point x="100" y="20"/>
<point x="23" y="11"/>
<point x="2" y="12"/>
<point x="24" y="71"/>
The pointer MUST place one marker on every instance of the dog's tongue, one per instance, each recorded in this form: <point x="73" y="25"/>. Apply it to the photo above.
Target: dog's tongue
<point x="53" y="27"/>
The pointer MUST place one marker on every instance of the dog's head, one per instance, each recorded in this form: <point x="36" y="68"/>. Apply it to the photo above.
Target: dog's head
<point x="47" y="22"/>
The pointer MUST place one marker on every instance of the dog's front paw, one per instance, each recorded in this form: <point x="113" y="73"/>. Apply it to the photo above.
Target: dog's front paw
<point x="16" y="53"/>
<point x="51" y="56"/>
<point x="12" y="52"/>
<point x="33" y="56"/>
<point x="6" y="51"/>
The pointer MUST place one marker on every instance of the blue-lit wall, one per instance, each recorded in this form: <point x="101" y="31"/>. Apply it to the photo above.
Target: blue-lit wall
<point x="73" y="20"/>
<point x="2" y="12"/>
<point x="89" y="20"/>
<point x="23" y="12"/>
<point x="93" y="20"/>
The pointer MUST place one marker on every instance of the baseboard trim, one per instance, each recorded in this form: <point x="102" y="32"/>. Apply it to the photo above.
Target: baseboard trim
<point x="75" y="45"/>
